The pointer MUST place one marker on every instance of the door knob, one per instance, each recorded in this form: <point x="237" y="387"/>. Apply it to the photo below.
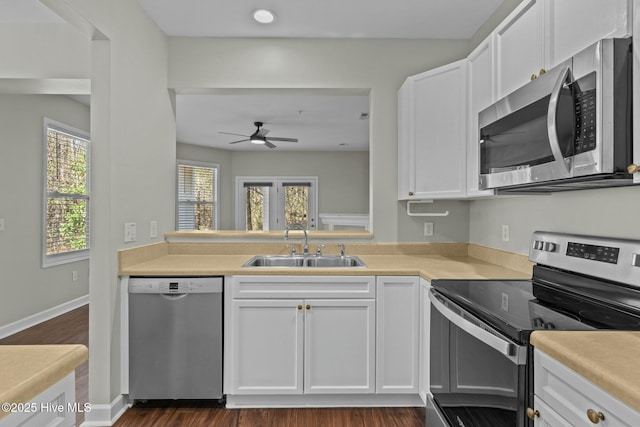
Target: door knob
<point x="595" y="416"/>
<point x="308" y="307"/>
<point x="633" y="168"/>
<point x="532" y="414"/>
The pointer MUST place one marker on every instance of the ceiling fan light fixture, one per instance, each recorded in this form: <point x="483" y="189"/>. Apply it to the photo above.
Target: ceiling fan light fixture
<point x="263" y="16"/>
<point x="257" y="140"/>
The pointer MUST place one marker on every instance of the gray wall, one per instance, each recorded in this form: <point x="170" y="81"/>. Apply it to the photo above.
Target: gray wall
<point x="343" y="178"/>
<point x="26" y="287"/>
<point x="378" y="65"/>
<point x="607" y="212"/>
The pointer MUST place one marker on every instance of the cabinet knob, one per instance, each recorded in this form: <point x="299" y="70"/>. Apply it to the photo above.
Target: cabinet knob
<point x="594" y="416"/>
<point x="411" y="193"/>
<point x="633" y="168"/>
<point x="308" y="307"/>
<point x="532" y="414"/>
<point x="542" y="71"/>
<point x="299" y="306"/>
<point x="533" y="77"/>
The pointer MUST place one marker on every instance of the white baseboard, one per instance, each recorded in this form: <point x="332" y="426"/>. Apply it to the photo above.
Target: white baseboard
<point x="106" y="415"/>
<point x="34" y="319"/>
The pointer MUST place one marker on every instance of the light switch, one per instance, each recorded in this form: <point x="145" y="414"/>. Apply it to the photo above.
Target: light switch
<point x="129" y="232"/>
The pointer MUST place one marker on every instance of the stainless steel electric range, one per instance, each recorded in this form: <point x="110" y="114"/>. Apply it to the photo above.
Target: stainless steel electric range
<point x="481" y="363"/>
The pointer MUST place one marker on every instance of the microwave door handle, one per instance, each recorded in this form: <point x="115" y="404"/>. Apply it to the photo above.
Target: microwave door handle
<point x="565" y="76"/>
<point x="508" y="349"/>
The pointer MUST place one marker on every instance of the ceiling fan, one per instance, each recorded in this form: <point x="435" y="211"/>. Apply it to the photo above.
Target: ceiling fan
<point x="259" y="137"/>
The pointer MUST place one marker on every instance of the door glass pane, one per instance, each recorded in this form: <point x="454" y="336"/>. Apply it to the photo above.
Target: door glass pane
<point x="257" y="207"/>
<point x="296" y="204"/>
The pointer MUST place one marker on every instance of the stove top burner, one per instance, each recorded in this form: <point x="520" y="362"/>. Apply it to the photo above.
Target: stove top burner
<point x="610" y="318"/>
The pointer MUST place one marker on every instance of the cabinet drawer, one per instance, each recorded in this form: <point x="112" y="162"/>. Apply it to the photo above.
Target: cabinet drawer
<point x="302" y="287"/>
<point x="571" y="395"/>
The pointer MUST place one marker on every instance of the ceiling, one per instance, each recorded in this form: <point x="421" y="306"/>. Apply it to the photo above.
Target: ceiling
<point x="320" y="121"/>
<point x="416" y="19"/>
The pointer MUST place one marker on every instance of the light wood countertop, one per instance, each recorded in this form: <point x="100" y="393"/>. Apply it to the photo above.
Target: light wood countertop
<point x="606" y="358"/>
<point x="28" y="370"/>
<point x="429" y="261"/>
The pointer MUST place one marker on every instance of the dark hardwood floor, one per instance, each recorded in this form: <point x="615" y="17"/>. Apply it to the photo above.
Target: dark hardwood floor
<point x="69" y="328"/>
<point x="200" y="416"/>
<point x="73" y="328"/>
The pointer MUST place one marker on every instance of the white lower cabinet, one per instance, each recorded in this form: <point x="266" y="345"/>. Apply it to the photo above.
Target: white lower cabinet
<point x="322" y="340"/>
<point x="565" y="398"/>
<point x="398" y="331"/>
<point x="319" y="341"/>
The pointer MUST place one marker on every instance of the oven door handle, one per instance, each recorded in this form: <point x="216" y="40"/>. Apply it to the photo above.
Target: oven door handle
<point x="563" y="165"/>
<point x="517" y="354"/>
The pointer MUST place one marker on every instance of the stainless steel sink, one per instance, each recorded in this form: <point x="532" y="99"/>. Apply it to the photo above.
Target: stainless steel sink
<point x="333" y="261"/>
<point x="312" y="261"/>
<point x="275" y="261"/>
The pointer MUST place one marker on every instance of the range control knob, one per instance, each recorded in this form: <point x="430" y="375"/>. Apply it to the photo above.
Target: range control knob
<point x="538" y="244"/>
<point x="549" y="247"/>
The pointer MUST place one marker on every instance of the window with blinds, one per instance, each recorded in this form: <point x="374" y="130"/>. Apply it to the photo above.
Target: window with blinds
<point x="197" y="203"/>
<point x="66" y="194"/>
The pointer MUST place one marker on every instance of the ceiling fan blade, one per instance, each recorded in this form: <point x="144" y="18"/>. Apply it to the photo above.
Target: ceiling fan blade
<point x="283" y="139"/>
<point x="237" y="134"/>
<point x="262" y="132"/>
<point x="270" y="145"/>
<point x="235" y="142"/>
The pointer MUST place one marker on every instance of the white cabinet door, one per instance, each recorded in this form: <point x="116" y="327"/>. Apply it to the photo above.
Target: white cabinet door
<point x="519" y="46"/>
<point x="481" y="94"/>
<point x="425" y="326"/>
<point x="339" y="346"/>
<point x="397" y="331"/>
<point x="547" y="417"/>
<point x="571" y="396"/>
<point x="575" y="24"/>
<point x="431" y="156"/>
<point x="267" y="347"/>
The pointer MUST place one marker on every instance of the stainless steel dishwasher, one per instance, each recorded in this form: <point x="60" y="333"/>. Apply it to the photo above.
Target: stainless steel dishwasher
<point x="175" y="338"/>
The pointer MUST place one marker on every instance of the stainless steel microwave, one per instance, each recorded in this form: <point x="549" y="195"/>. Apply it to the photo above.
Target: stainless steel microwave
<point x="569" y="129"/>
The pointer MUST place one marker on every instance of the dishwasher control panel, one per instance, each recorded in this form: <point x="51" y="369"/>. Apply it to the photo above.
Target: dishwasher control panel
<point x="175" y="285"/>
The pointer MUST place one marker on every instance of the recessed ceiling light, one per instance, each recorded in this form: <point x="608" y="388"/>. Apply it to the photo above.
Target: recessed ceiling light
<point x="264" y="16"/>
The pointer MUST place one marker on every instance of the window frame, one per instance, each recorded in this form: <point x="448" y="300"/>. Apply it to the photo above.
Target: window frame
<point x="74" y="255"/>
<point x="216" y="190"/>
<point x="276" y="203"/>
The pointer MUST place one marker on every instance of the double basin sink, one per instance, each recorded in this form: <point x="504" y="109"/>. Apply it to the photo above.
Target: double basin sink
<point x="322" y="261"/>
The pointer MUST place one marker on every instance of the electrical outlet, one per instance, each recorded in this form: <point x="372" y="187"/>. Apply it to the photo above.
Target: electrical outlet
<point x="428" y="229"/>
<point x="505" y="233"/>
<point x="129" y="232"/>
<point x="153" y="229"/>
<point x="505" y="302"/>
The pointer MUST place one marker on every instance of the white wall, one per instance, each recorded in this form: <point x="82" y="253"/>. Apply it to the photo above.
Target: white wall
<point x="378" y="65"/>
<point x="26" y="287"/>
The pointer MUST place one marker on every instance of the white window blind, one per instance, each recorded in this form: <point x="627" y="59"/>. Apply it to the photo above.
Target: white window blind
<point x="197" y="203"/>
<point x="66" y="194"/>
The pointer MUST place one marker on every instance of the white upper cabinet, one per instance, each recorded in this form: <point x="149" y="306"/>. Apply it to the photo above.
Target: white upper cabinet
<point x="519" y="46"/>
<point x="575" y="24"/>
<point x="432" y="134"/>
<point x="539" y="34"/>
<point x="481" y="94"/>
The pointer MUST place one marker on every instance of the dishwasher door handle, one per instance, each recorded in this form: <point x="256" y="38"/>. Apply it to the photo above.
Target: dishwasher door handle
<point x="173" y="297"/>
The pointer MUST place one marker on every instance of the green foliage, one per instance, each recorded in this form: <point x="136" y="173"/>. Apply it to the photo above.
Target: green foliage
<point x="67" y="198"/>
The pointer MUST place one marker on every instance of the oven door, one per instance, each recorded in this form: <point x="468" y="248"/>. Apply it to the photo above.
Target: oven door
<point x="478" y="377"/>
